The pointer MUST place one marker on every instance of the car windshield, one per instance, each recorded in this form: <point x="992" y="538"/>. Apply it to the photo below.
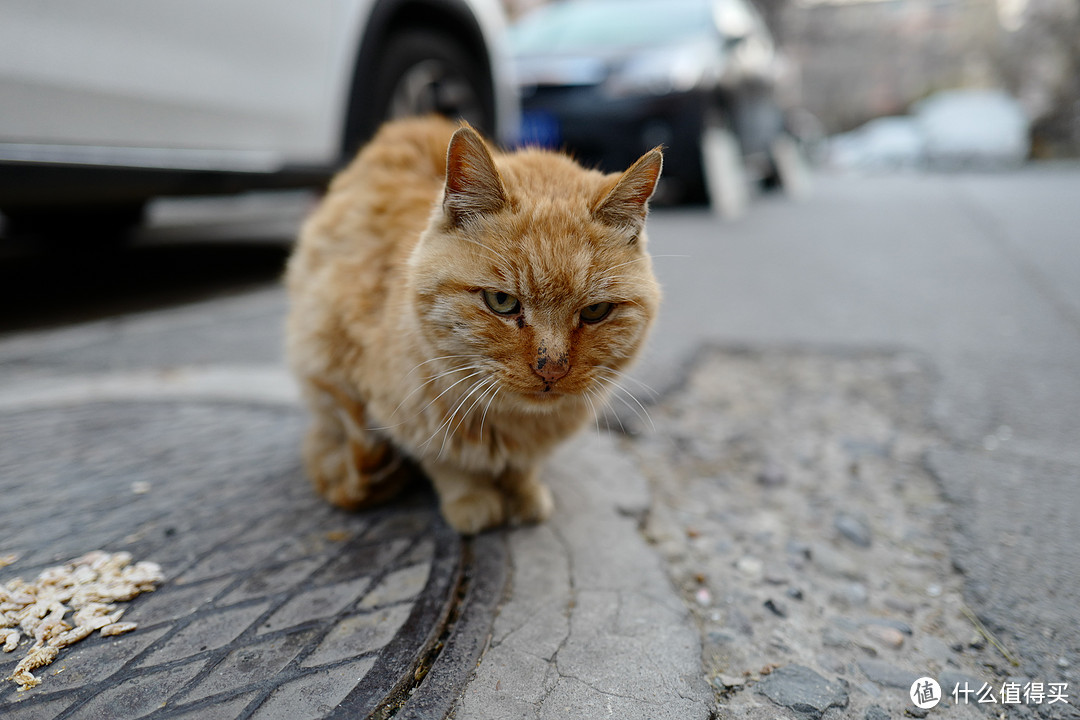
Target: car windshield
<point x="592" y="25"/>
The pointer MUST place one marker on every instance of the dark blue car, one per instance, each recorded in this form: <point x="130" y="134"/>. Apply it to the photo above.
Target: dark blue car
<point x="609" y="79"/>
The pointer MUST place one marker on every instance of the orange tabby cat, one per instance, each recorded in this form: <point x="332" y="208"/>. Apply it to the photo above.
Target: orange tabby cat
<point x="465" y="309"/>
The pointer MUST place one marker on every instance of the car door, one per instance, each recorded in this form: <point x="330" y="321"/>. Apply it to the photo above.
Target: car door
<point x="245" y="85"/>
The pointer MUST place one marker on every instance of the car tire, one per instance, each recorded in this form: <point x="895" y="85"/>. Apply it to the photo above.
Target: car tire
<point x="423" y="72"/>
<point x="723" y="169"/>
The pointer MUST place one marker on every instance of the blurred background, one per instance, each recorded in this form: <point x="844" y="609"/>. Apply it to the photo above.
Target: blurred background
<point x="906" y="83"/>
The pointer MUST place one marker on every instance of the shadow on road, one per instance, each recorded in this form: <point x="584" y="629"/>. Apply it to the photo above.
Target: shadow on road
<point x="50" y="287"/>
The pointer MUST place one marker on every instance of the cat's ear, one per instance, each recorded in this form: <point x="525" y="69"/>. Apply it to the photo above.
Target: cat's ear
<point x="626" y="204"/>
<point x="473" y="185"/>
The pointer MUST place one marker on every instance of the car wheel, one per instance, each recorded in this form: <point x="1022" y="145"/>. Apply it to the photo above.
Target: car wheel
<point x="423" y="72"/>
<point x="74" y="226"/>
<point x="723" y="169"/>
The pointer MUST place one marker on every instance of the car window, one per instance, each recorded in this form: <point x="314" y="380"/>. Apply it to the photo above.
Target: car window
<point x="607" y="24"/>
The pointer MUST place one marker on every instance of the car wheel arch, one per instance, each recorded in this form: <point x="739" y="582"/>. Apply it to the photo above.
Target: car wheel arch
<point x="389" y="18"/>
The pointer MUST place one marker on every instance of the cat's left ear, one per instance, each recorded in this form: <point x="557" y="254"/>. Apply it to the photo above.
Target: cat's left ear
<point x="627" y="203"/>
<point x="473" y="185"/>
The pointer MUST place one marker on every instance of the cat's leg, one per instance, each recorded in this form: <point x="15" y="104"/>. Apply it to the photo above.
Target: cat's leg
<point x="528" y="499"/>
<point x="348" y="465"/>
<point x="470" y="503"/>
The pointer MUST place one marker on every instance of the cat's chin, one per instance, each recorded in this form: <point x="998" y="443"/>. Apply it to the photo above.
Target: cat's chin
<point x="540" y="401"/>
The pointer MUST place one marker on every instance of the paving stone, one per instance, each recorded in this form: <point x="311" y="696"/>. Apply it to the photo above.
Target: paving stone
<point x="315" y="604"/>
<point x="888" y="636"/>
<point x="935" y="649"/>
<point x="272" y="580"/>
<point x="92" y="660"/>
<point x="898" y="625"/>
<point x="139" y="695"/>
<point x="802" y="690"/>
<point x="37" y="711"/>
<point x="315" y="696"/>
<point x="362" y="561"/>
<point x="172" y="602"/>
<point x="220" y="710"/>
<point x="403" y="584"/>
<point x="230" y="560"/>
<point x="358" y="635"/>
<point x="885" y="673"/>
<point x="950" y="679"/>
<point x="854" y="528"/>
<point x="210" y="631"/>
<point x="876" y="713"/>
<point x="251" y="664"/>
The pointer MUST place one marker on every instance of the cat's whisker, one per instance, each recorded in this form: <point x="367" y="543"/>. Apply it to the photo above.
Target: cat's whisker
<point x="450" y="417"/>
<point x="630" y="262"/>
<point x="616" y="386"/>
<point x="625" y="376"/>
<point x="444" y="357"/>
<point x="452" y="386"/>
<point x="488" y="407"/>
<point x="453" y="413"/>
<point x="618" y="419"/>
<point x="607" y="278"/>
<point x="430" y="402"/>
<point x="479" y="398"/>
<point x="610" y="279"/>
<point x="587" y="397"/>
<point x="432" y="379"/>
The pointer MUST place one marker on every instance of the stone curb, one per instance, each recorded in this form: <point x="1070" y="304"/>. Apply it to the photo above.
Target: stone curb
<point x="592" y="626"/>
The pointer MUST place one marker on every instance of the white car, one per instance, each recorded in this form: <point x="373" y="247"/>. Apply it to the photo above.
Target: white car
<point x="106" y="104"/>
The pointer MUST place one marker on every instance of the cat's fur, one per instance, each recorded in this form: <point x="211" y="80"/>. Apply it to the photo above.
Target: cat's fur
<point x="399" y="354"/>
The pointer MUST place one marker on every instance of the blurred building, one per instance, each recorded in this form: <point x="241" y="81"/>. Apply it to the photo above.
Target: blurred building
<point x="860" y="59"/>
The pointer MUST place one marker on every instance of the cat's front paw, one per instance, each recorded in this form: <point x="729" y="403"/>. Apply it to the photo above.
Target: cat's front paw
<point x="531" y="503"/>
<point x="476" y="511"/>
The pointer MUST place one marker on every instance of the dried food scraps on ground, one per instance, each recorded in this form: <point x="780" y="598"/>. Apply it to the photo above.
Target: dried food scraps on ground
<point x="88" y="587"/>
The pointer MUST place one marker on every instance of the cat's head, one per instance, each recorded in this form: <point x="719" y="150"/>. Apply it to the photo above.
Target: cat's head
<point x="533" y="273"/>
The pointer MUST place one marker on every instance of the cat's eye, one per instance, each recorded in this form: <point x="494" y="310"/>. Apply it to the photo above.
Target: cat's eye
<point x="596" y="312"/>
<point x="501" y="303"/>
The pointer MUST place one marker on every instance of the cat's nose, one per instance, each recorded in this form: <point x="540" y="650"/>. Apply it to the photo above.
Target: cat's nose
<point x="551" y="370"/>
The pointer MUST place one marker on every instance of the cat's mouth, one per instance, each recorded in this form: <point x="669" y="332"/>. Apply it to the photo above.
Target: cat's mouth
<point x="542" y="395"/>
<point x="548" y="394"/>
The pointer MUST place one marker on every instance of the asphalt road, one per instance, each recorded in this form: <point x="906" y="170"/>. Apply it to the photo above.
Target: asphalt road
<point x="980" y="274"/>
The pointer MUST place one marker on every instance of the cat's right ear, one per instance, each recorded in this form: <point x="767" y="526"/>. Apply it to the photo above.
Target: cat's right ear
<point x="473" y="185"/>
<point x="626" y="204"/>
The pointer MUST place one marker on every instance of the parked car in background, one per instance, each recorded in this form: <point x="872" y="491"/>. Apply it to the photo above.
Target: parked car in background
<point x="609" y="79"/>
<point x="967" y="129"/>
<point x="107" y="104"/>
